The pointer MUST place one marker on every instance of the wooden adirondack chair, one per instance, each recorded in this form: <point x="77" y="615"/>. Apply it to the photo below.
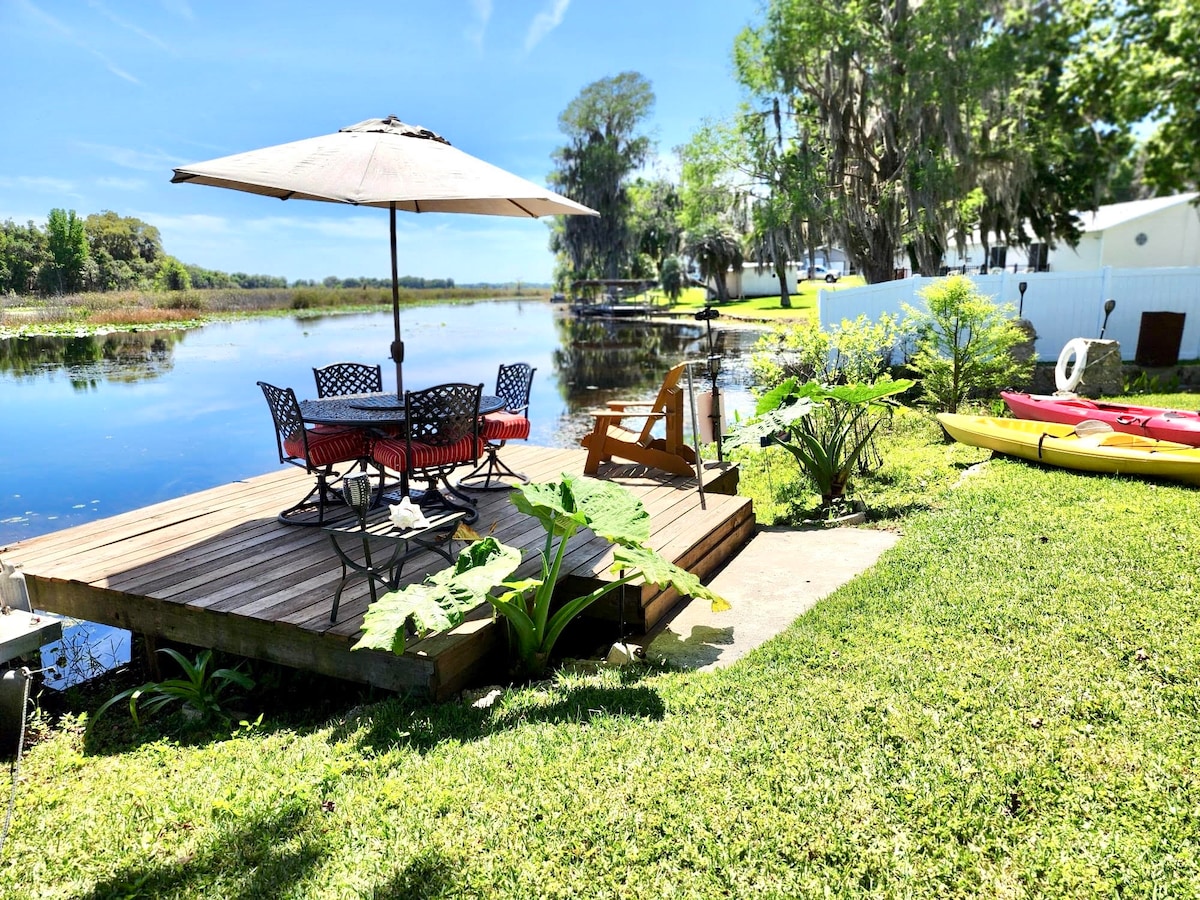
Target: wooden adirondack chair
<point x="611" y="438"/>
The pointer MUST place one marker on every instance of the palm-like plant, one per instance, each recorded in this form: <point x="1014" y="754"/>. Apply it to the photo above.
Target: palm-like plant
<point x="716" y="249"/>
<point x="203" y="691"/>
<point x="826" y="428"/>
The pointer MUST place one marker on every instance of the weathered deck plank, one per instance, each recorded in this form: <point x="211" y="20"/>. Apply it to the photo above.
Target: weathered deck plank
<point x="216" y="569"/>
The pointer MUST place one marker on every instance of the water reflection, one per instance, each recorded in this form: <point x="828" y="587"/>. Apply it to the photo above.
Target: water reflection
<point x="595" y="354"/>
<point x="121" y="356"/>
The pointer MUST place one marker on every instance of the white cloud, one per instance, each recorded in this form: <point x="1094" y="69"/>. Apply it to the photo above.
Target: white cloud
<point x="114" y="68"/>
<point x="179" y="8"/>
<point x="129" y="26"/>
<point x="545" y="22"/>
<point x="129" y="158"/>
<point x="122" y="184"/>
<point x="482" y="10"/>
<point x="68" y="34"/>
<point x="37" y="184"/>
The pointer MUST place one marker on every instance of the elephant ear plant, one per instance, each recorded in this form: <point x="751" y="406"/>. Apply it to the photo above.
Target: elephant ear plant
<point x="826" y="428"/>
<point x="484" y="572"/>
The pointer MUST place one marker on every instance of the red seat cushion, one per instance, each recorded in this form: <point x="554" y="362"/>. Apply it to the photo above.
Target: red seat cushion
<point x="325" y="447"/>
<point x="394" y="454"/>
<point x="505" y="426"/>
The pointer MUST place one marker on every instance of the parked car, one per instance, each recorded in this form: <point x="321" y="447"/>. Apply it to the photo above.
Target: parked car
<point x="829" y="276"/>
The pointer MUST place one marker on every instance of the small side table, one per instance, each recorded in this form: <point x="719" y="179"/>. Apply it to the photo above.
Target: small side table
<point x="404" y="543"/>
<point x="24" y="632"/>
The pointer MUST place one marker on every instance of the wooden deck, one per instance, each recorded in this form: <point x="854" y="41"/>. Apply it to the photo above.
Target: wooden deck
<point x="216" y="569"/>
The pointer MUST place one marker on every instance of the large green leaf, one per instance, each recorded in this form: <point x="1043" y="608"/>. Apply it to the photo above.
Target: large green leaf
<point x="441" y="601"/>
<point x="431" y="607"/>
<point x="579" y="502"/>
<point x="656" y="570"/>
<point x="553" y="504"/>
<point x="774" y="398"/>
<point x="612" y="511"/>
<point x="851" y="394"/>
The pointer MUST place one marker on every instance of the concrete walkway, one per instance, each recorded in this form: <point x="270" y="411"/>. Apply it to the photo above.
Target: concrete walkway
<point x="780" y="574"/>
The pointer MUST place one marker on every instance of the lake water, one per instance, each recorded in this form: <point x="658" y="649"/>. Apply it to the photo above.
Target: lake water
<point x="99" y="425"/>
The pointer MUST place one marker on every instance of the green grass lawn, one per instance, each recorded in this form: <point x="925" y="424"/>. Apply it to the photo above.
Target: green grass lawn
<point x="758" y="309"/>
<point x="1007" y="705"/>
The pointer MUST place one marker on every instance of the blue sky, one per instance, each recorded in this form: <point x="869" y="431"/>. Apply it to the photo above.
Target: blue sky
<point x="105" y="97"/>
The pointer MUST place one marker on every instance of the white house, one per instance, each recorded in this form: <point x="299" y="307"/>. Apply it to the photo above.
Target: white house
<point x="761" y="281"/>
<point x="1161" y="231"/>
<point x="1154" y="233"/>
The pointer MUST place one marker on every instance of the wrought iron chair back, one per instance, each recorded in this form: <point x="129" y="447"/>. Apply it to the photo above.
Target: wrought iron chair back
<point x="340" y="379"/>
<point x="289" y="424"/>
<point x="443" y="415"/>
<point x="513" y="385"/>
<point x="316" y="453"/>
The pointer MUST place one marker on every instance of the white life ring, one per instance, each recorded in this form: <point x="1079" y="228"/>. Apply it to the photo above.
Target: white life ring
<point x="1078" y="348"/>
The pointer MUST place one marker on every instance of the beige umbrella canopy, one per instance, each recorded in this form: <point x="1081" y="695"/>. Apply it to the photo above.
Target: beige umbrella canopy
<point x="383" y="162"/>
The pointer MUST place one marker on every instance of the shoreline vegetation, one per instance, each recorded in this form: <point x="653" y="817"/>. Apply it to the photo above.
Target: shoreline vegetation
<point x="93" y="313"/>
<point x="97" y="313"/>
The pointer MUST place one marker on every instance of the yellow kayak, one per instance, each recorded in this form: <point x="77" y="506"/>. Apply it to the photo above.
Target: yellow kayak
<point x="1089" y="447"/>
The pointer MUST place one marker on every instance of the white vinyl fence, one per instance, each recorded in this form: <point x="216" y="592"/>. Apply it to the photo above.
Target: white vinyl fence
<point x="1061" y="305"/>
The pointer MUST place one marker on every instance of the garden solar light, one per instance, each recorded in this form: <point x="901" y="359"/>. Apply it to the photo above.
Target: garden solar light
<point x="356" y="489"/>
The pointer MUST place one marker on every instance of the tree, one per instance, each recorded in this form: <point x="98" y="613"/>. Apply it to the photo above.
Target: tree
<point x="912" y="106"/>
<point x="654" y="220"/>
<point x="1140" y="60"/>
<point x="172" y="275"/>
<point x="126" y="249"/>
<point x="67" y="242"/>
<point x="603" y="150"/>
<point x="711" y="192"/>
<point x="671" y="277"/>
<point x="716" y="249"/>
<point x="23" y="254"/>
<point x="964" y="343"/>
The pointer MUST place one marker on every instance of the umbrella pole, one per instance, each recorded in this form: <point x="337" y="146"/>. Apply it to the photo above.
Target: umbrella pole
<point x="397" y="344"/>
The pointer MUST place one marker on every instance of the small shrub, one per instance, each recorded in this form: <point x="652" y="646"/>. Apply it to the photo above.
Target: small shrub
<point x="964" y="344"/>
<point x="1143" y="383"/>
<point x="854" y="352"/>
<point x="200" y="690"/>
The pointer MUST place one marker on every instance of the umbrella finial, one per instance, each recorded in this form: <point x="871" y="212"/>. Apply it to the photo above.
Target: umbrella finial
<point x="392" y="125"/>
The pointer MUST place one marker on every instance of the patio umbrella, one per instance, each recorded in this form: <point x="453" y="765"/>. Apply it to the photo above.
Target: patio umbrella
<point x="383" y="162"/>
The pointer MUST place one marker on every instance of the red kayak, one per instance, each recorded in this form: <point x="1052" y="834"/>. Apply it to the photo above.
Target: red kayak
<point x="1179" y="425"/>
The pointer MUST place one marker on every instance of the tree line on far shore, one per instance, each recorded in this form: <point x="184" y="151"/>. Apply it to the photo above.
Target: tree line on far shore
<point x="109" y="252"/>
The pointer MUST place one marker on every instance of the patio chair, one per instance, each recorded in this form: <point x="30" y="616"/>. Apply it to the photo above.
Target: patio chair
<point x="513" y="384"/>
<point x="441" y="434"/>
<point x="610" y="437"/>
<point x="342" y="378"/>
<point x="384" y="564"/>
<point x="315" y="451"/>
